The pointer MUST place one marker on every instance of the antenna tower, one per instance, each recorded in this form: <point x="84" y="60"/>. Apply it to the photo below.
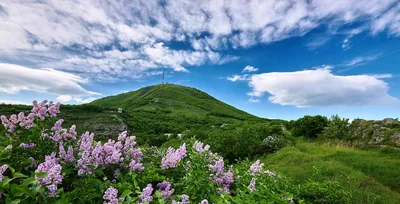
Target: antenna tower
<point x="163" y="77"/>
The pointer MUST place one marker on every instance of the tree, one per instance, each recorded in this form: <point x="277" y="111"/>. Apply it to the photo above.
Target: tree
<point x="309" y="126"/>
<point x="338" y="128"/>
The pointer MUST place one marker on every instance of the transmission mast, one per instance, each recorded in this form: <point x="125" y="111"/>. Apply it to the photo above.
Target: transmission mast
<point x="163" y="77"/>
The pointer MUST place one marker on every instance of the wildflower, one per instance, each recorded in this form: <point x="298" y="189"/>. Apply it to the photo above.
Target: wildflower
<point x="2" y="170"/>
<point x="146" y="195"/>
<point x="173" y="157"/>
<point x="199" y="147"/>
<point x="27" y="146"/>
<point x="270" y="173"/>
<point x="110" y="196"/>
<point x="9" y="147"/>
<point x="67" y="156"/>
<point x="218" y="167"/>
<point x="165" y="189"/>
<point x="255" y="169"/>
<point x="252" y="184"/>
<point x="53" y="170"/>
<point x="205" y="201"/>
<point x="290" y="200"/>
<point x="185" y="200"/>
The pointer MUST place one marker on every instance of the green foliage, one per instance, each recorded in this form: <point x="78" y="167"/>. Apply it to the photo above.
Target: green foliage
<point x="337" y="128"/>
<point x="309" y="126"/>
<point x="245" y="140"/>
<point x="365" y="176"/>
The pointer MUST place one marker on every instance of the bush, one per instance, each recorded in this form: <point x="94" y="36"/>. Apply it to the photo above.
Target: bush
<point x="309" y="126"/>
<point x="42" y="162"/>
<point x="337" y="128"/>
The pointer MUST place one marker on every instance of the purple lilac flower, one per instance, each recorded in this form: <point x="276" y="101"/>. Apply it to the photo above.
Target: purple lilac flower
<point x="255" y="169"/>
<point x="53" y="170"/>
<point x="2" y="170"/>
<point x="9" y="147"/>
<point x="110" y="196"/>
<point x="67" y="156"/>
<point x="7" y="124"/>
<point x="252" y="185"/>
<point x="218" y="167"/>
<point x="27" y="146"/>
<point x="205" y="201"/>
<point x="185" y="200"/>
<point x="270" y="173"/>
<point x="173" y="156"/>
<point x="146" y="195"/>
<point x="199" y="147"/>
<point x="226" y="180"/>
<point x="165" y="189"/>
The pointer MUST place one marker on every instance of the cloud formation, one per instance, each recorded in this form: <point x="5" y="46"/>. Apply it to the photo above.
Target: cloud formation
<point x="105" y="39"/>
<point x="249" y="68"/>
<point x="15" y="78"/>
<point x="321" y="88"/>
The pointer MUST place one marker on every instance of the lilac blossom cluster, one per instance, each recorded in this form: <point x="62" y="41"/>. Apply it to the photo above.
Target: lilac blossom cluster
<point x="95" y="154"/>
<point x="256" y="170"/>
<point x="173" y="156"/>
<point x="110" y="196"/>
<point x="185" y="200"/>
<point x="59" y="134"/>
<point x="252" y="185"/>
<point x="199" y="147"/>
<point x="53" y="170"/>
<point x="2" y="170"/>
<point x="205" y="201"/>
<point x="27" y="146"/>
<point x="222" y="178"/>
<point x="67" y="156"/>
<point x="165" y="189"/>
<point x="39" y="110"/>
<point x="146" y="194"/>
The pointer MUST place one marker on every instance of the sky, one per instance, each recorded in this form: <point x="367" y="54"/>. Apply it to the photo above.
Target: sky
<point x="274" y="59"/>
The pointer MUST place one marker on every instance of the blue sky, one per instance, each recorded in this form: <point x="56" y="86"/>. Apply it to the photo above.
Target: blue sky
<point x="274" y="59"/>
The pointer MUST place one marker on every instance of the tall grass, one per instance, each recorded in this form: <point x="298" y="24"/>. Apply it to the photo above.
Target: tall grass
<point x="370" y="176"/>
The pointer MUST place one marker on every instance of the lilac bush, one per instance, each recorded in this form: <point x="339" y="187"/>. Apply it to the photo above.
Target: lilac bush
<point x="56" y="164"/>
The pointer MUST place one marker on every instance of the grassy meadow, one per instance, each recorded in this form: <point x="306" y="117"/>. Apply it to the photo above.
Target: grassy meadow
<point x="369" y="176"/>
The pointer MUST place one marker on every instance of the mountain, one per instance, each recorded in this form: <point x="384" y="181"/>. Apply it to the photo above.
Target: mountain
<point x="173" y="100"/>
<point x="169" y="108"/>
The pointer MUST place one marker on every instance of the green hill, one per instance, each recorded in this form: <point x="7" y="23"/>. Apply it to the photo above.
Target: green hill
<point x="173" y="100"/>
<point x="172" y="108"/>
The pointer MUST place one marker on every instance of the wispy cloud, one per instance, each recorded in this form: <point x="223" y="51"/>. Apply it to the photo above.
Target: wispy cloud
<point x="237" y="77"/>
<point x="249" y="68"/>
<point x="361" y="60"/>
<point x="107" y="41"/>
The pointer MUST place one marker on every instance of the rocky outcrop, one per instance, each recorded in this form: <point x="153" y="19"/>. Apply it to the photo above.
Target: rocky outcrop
<point x="376" y="132"/>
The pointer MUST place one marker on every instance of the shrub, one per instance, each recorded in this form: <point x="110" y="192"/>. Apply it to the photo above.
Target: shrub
<point x="309" y="126"/>
<point x="337" y="128"/>
<point x="46" y="163"/>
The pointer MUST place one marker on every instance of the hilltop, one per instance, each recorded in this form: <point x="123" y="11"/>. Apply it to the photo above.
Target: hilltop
<point x="169" y="108"/>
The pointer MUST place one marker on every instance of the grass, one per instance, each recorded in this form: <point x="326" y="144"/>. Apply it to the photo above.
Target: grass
<point x="369" y="176"/>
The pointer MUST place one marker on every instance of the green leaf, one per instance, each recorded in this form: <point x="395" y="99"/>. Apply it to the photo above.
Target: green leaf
<point x="41" y="174"/>
<point x="158" y="194"/>
<point x="5" y="181"/>
<point x="11" y="169"/>
<point x="19" y="175"/>
<point x="125" y="193"/>
<point x="161" y="201"/>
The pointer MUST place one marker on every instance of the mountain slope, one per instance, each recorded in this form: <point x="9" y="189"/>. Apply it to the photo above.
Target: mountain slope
<point x="173" y="100"/>
<point x="169" y="108"/>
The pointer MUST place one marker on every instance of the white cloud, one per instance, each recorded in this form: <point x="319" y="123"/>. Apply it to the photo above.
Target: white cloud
<point x="249" y="68"/>
<point x="327" y="67"/>
<point x="321" y="88"/>
<point x="15" y="78"/>
<point x="13" y="102"/>
<point x="64" y="98"/>
<point x="347" y="43"/>
<point x="252" y="100"/>
<point x="236" y="77"/>
<point x="361" y="60"/>
<point x="118" y="39"/>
